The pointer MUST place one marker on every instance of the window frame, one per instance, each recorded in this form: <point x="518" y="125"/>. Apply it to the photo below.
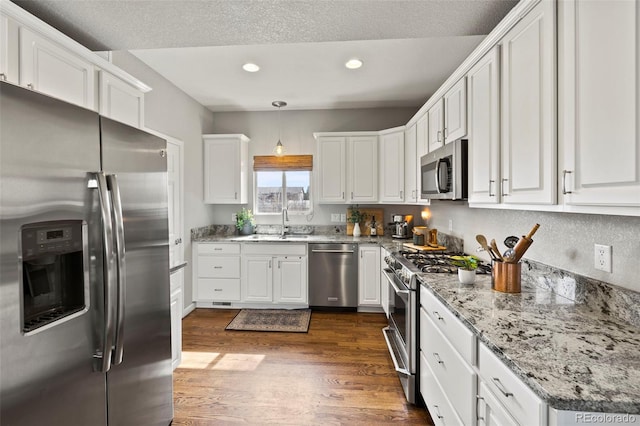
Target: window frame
<point x="283" y="189"/>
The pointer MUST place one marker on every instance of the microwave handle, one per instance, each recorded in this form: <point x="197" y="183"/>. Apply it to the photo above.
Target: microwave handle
<point x="438" y="175"/>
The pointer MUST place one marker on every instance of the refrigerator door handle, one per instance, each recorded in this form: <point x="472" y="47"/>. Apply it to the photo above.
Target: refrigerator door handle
<point x="118" y="224"/>
<point x="110" y="273"/>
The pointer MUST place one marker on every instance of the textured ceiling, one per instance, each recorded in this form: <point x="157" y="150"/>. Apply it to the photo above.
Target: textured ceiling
<point x="409" y="46"/>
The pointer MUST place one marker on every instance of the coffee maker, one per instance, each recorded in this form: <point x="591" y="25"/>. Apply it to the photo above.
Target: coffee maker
<point x="402" y="226"/>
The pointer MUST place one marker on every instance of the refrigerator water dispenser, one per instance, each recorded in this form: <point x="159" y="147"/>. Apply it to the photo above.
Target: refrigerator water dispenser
<point x="54" y="272"/>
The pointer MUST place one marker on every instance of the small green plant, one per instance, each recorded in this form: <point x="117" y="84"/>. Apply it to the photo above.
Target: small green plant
<point x="244" y="217"/>
<point x="468" y="263"/>
<point x="356" y="215"/>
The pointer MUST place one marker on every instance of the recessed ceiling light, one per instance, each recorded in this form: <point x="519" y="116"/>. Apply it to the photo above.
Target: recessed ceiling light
<point x="353" y="64"/>
<point x="250" y="67"/>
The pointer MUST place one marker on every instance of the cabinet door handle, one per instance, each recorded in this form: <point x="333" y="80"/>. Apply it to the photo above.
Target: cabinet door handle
<point x="235" y="196"/>
<point x="478" y="398"/>
<point x="438" y="135"/>
<point x="491" y="182"/>
<point x="401" y="195"/>
<point x="501" y="387"/>
<point x="279" y="262"/>
<point x="352" y="195"/>
<point x="438" y="315"/>
<point x="438" y="415"/>
<point x="269" y="264"/>
<point x="217" y="267"/>
<point x="445" y="133"/>
<point x="3" y="76"/>
<point x="504" y="194"/>
<point x="30" y="86"/>
<point x="343" y="195"/>
<point x="564" y="182"/>
<point x="437" y="357"/>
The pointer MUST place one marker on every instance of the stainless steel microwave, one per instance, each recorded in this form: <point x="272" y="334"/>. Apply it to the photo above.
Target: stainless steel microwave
<point x="443" y="172"/>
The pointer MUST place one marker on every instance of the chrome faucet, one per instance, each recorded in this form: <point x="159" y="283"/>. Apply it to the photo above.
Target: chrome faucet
<point x="285" y="216"/>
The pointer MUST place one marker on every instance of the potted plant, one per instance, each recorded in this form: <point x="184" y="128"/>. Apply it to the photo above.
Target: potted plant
<point x="356" y="217"/>
<point x="245" y="222"/>
<point x="466" y="268"/>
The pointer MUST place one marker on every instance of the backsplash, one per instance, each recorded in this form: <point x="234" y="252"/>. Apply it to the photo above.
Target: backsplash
<point x="618" y="302"/>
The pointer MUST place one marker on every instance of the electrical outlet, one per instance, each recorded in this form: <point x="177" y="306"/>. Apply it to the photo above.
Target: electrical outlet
<point x="450" y="225"/>
<point x="602" y="260"/>
<point x="234" y="217"/>
<point x="335" y="217"/>
<point x="343" y="217"/>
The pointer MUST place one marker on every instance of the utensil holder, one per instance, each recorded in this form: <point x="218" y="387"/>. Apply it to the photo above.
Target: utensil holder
<point x="505" y="277"/>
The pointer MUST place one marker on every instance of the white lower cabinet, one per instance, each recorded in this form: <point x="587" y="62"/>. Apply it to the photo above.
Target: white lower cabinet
<point x="275" y="274"/>
<point x="369" y="276"/>
<point x="514" y="396"/>
<point x="454" y="376"/>
<point x="176" y="281"/>
<point x="216" y="273"/>
<point x="490" y="411"/>
<point x="439" y="406"/>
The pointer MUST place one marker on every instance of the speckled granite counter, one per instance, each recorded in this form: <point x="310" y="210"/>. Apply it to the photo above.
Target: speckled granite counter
<point x="574" y="356"/>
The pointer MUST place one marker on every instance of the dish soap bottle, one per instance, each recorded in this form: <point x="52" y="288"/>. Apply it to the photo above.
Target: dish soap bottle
<point x="373" y="231"/>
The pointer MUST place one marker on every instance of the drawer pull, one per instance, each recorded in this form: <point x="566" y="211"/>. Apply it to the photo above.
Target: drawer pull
<point x="217" y="289"/>
<point x="437" y="357"/>
<point x="501" y="387"/>
<point x="217" y="248"/>
<point x="438" y="315"/>
<point x="437" y="409"/>
<point x="217" y="267"/>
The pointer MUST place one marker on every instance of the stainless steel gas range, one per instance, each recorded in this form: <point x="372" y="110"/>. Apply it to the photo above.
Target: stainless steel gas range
<point x="401" y="333"/>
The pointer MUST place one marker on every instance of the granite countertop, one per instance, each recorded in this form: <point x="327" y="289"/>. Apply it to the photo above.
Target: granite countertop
<point x="295" y="238"/>
<point x="572" y="355"/>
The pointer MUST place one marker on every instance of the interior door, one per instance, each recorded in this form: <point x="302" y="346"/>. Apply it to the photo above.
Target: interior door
<point x="175" y="200"/>
<point x="140" y="388"/>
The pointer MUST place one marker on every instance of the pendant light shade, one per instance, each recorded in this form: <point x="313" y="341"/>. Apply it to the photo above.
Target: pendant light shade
<point x="279" y="149"/>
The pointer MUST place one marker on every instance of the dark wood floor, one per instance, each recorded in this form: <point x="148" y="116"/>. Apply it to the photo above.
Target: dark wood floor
<point x="337" y="373"/>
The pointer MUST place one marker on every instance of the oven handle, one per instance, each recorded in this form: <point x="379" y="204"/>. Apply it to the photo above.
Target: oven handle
<point x="385" y="332"/>
<point x="391" y="280"/>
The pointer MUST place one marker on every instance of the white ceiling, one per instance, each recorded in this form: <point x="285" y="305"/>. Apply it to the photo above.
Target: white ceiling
<point x="409" y="47"/>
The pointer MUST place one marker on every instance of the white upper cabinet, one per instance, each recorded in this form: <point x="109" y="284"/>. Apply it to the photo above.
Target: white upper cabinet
<point x="226" y="169"/>
<point x="49" y="68"/>
<point x="392" y="166"/>
<point x="435" y="119"/>
<point x="120" y="101"/>
<point x="422" y="137"/>
<point x="5" y="44"/>
<point x="332" y="179"/>
<point x="362" y="170"/>
<point x="484" y="129"/>
<point x="455" y="112"/>
<point x="411" y="191"/>
<point x="599" y="103"/>
<point x="529" y="109"/>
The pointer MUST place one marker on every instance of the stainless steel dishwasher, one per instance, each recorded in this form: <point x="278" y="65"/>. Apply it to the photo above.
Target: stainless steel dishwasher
<point x="333" y="275"/>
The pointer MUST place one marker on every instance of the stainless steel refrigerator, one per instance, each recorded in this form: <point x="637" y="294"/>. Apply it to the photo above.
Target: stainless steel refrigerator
<point x="84" y="268"/>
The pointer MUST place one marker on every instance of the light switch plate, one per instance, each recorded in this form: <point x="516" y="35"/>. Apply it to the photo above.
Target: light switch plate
<point x="335" y="217"/>
<point x="602" y="258"/>
<point x="343" y="217"/>
<point x="234" y="217"/>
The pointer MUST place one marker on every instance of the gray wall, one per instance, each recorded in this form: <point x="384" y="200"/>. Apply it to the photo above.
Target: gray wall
<point x="170" y="111"/>
<point x="564" y="240"/>
<point x="297" y="128"/>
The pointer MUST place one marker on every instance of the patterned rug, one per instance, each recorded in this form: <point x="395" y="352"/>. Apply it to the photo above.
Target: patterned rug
<point x="288" y="320"/>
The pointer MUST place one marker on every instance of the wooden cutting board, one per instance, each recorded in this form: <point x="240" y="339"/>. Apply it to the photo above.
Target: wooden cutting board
<point x="424" y="248"/>
<point x="365" y="226"/>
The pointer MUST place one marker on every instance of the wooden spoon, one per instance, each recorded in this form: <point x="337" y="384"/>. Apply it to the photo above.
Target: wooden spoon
<point x="494" y="246"/>
<point x="483" y="242"/>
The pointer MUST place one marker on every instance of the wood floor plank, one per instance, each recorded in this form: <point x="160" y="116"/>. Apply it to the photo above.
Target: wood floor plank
<point x="339" y="373"/>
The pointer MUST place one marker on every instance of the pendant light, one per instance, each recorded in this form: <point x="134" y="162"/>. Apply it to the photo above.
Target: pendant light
<point x="279" y="149"/>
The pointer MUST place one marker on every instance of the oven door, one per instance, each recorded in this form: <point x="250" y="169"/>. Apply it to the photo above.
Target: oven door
<point x="400" y="333"/>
